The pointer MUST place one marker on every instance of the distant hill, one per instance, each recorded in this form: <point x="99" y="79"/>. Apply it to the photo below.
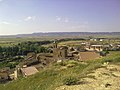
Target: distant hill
<point x="66" y="34"/>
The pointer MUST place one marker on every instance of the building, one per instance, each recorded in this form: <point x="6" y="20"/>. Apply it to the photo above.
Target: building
<point x="27" y="71"/>
<point x="59" y="52"/>
<point x="88" y="55"/>
<point x="45" y="58"/>
<point x="96" y="47"/>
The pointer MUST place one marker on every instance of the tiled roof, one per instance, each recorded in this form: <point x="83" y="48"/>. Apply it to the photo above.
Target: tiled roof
<point x="29" y="70"/>
<point x="88" y="55"/>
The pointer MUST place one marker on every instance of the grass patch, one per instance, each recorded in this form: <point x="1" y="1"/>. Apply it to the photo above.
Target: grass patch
<point x="71" y="80"/>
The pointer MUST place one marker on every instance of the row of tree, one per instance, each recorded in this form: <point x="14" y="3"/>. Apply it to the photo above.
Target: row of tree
<point x="24" y="48"/>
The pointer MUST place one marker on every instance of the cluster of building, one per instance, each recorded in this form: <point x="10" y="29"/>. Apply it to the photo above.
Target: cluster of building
<point x="60" y="53"/>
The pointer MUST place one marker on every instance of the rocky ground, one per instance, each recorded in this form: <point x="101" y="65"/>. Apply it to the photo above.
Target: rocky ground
<point x="105" y="78"/>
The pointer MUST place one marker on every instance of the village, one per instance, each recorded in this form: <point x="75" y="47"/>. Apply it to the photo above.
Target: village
<point x="34" y="62"/>
<point x="59" y="44"/>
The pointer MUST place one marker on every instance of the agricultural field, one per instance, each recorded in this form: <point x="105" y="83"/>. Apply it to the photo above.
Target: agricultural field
<point x="69" y="39"/>
<point x="72" y="43"/>
<point x="14" y="41"/>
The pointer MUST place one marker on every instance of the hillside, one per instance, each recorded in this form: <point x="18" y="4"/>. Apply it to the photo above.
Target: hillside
<point x="90" y="74"/>
<point x="65" y="34"/>
<point x="104" y="78"/>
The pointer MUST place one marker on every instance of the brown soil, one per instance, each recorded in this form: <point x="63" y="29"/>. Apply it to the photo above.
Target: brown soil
<point x="107" y="78"/>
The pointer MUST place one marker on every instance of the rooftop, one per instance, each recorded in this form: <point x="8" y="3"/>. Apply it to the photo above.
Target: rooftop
<point x="88" y="55"/>
<point x="29" y="70"/>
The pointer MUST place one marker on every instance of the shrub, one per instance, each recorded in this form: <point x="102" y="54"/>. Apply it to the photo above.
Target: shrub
<point x="70" y="80"/>
<point x="62" y="63"/>
<point x="115" y="59"/>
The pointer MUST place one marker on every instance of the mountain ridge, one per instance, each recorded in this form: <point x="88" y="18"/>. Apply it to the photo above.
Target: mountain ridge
<point x="63" y="34"/>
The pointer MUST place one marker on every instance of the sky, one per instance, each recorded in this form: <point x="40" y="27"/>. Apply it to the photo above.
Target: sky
<point x="32" y="16"/>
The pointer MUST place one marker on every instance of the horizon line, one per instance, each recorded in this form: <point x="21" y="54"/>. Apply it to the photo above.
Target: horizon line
<point x="55" y="32"/>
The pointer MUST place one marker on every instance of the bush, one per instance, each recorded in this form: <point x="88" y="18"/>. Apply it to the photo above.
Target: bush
<point x="104" y="53"/>
<point x="70" y="81"/>
<point x="113" y="60"/>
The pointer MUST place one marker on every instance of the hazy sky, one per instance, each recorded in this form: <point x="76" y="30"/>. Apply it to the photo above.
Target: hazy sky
<point x="28" y="16"/>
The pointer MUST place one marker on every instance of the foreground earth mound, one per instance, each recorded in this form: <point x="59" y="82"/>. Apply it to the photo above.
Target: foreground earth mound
<point x="105" y="78"/>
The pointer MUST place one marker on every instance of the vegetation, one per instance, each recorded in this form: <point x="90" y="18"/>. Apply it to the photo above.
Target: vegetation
<point x="23" y="48"/>
<point x="59" y="74"/>
<point x="55" y="75"/>
<point x="10" y="62"/>
<point x="71" y="81"/>
<point x="11" y="56"/>
<point x="104" y="53"/>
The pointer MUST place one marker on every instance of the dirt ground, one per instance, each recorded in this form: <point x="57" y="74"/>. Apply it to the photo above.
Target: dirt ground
<point x="105" y="78"/>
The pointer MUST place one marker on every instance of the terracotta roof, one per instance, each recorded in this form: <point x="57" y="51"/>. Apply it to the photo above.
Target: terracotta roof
<point x="29" y="70"/>
<point x="88" y="55"/>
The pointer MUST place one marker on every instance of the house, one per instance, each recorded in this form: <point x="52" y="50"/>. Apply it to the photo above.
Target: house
<point x="45" y="58"/>
<point x="94" y="47"/>
<point x="118" y="45"/>
<point x="97" y="39"/>
<point x="88" y="55"/>
<point x="29" y="71"/>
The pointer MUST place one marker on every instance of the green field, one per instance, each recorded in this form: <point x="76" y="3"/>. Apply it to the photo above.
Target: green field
<point x="10" y="41"/>
<point x="14" y="41"/>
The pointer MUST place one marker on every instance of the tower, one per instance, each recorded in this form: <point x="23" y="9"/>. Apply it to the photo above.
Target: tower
<point x="55" y="44"/>
<point x="59" y="52"/>
<point x="55" y="50"/>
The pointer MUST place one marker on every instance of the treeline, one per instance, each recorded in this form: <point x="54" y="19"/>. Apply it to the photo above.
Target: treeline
<point x="12" y="55"/>
<point x="24" y="48"/>
<point x="70" y="39"/>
